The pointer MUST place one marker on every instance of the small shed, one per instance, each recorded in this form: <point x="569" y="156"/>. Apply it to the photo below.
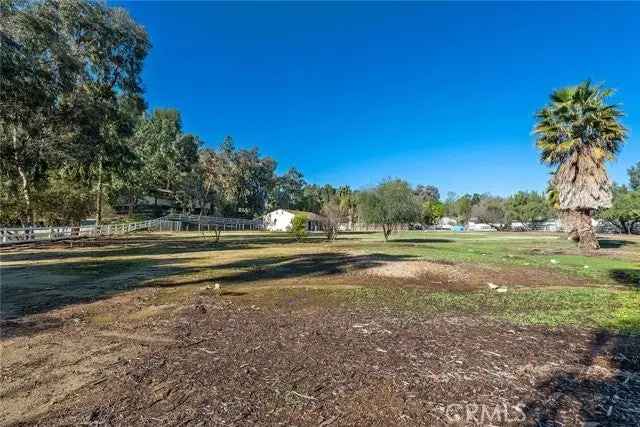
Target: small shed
<point x="280" y="220"/>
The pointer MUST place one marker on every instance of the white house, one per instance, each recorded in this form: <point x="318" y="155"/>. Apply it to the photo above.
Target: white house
<point x="280" y="220"/>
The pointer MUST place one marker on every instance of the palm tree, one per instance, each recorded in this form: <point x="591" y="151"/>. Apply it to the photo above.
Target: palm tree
<point x="578" y="132"/>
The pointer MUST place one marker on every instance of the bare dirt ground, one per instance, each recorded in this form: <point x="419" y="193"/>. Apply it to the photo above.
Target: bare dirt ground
<point x="150" y="343"/>
<point x="291" y="360"/>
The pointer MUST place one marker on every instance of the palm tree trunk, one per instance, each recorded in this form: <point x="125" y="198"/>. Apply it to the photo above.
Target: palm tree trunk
<point x="569" y="221"/>
<point x="588" y="240"/>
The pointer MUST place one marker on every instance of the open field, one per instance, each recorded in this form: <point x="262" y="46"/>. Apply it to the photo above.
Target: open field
<point x="357" y="331"/>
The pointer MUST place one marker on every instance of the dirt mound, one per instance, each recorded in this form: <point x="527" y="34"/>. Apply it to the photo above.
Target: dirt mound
<point x="470" y="276"/>
<point x="433" y="271"/>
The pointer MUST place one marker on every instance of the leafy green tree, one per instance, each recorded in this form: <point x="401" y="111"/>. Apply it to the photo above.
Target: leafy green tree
<point x="390" y="204"/>
<point x="212" y="185"/>
<point x="634" y="177"/>
<point x="311" y="199"/>
<point x="299" y="226"/>
<point x="492" y="210"/>
<point x="247" y="181"/>
<point x="255" y="178"/>
<point x="624" y="212"/>
<point x="578" y="132"/>
<point x="68" y="70"/>
<point x="432" y="212"/>
<point x="348" y="200"/>
<point x="111" y="48"/>
<point x="527" y="207"/>
<point x="65" y="201"/>
<point x="38" y="66"/>
<point x="289" y="190"/>
<point x="12" y="208"/>
<point x="427" y="192"/>
<point x="450" y="204"/>
<point x="463" y="207"/>
<point x="327" y="193"/>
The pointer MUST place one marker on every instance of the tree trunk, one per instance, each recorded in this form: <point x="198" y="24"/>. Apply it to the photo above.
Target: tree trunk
<point x="588" y="240"/>
<point x="99" y="194"/>
<point x="569" y="221"/>
<point x="386" y="230"/>
<point x="131" y="205"/>
<point x="624" y="227"/>
<point x="26" y="192"/>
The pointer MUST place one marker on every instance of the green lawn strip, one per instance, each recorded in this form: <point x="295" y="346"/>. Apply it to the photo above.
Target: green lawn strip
<point x="595" y="308"/>
<point x="520" y="253"/>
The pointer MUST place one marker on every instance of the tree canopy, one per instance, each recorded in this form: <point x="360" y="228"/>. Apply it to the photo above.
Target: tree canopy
<point x="389" y="204"/>
<point x="624" y="212"/>
<point x="634" y="177"/>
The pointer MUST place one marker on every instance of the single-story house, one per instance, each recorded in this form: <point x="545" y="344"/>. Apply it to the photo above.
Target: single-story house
<point x="280" y="220"/>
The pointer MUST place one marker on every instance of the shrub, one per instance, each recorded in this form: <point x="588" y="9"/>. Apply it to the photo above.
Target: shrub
<point x="332" y="214"/>
<point x="299" y="226"/>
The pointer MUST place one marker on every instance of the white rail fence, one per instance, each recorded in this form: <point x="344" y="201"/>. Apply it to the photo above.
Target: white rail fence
<point x="38" y="234"/>
<point x="173" y="222"/>
<point x="217" y="223"/>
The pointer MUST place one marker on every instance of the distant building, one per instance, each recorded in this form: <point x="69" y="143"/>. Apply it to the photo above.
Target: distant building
<point x="479" y="226"/>
<point x="446" y="223"/>
<point x="280" y="220"/>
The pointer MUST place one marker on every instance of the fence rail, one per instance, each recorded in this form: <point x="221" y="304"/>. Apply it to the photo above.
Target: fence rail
<point x="179" y="222"/>
<point x="40" y="234"/>
<point x="173" y="222"/>
<point x="218" y="223"/>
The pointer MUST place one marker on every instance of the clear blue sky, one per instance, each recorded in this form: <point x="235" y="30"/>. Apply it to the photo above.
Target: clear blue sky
<point x="351" y="93"/>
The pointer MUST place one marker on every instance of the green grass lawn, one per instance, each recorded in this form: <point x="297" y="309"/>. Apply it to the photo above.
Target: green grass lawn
<point x="592" y="308"/>
<point x="619" y="261"/>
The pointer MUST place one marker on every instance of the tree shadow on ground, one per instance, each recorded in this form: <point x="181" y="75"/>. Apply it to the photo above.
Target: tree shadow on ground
<point x="39" y="288"/>
<point x="626" y="276"/>
<point x="614" y="243"/>
<point x="363" y="233"/>
<point x="422" y="241"/>
<point x="604" y="391"/>
<point x="298" y="266"/>
<point x="144" y="246"/>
